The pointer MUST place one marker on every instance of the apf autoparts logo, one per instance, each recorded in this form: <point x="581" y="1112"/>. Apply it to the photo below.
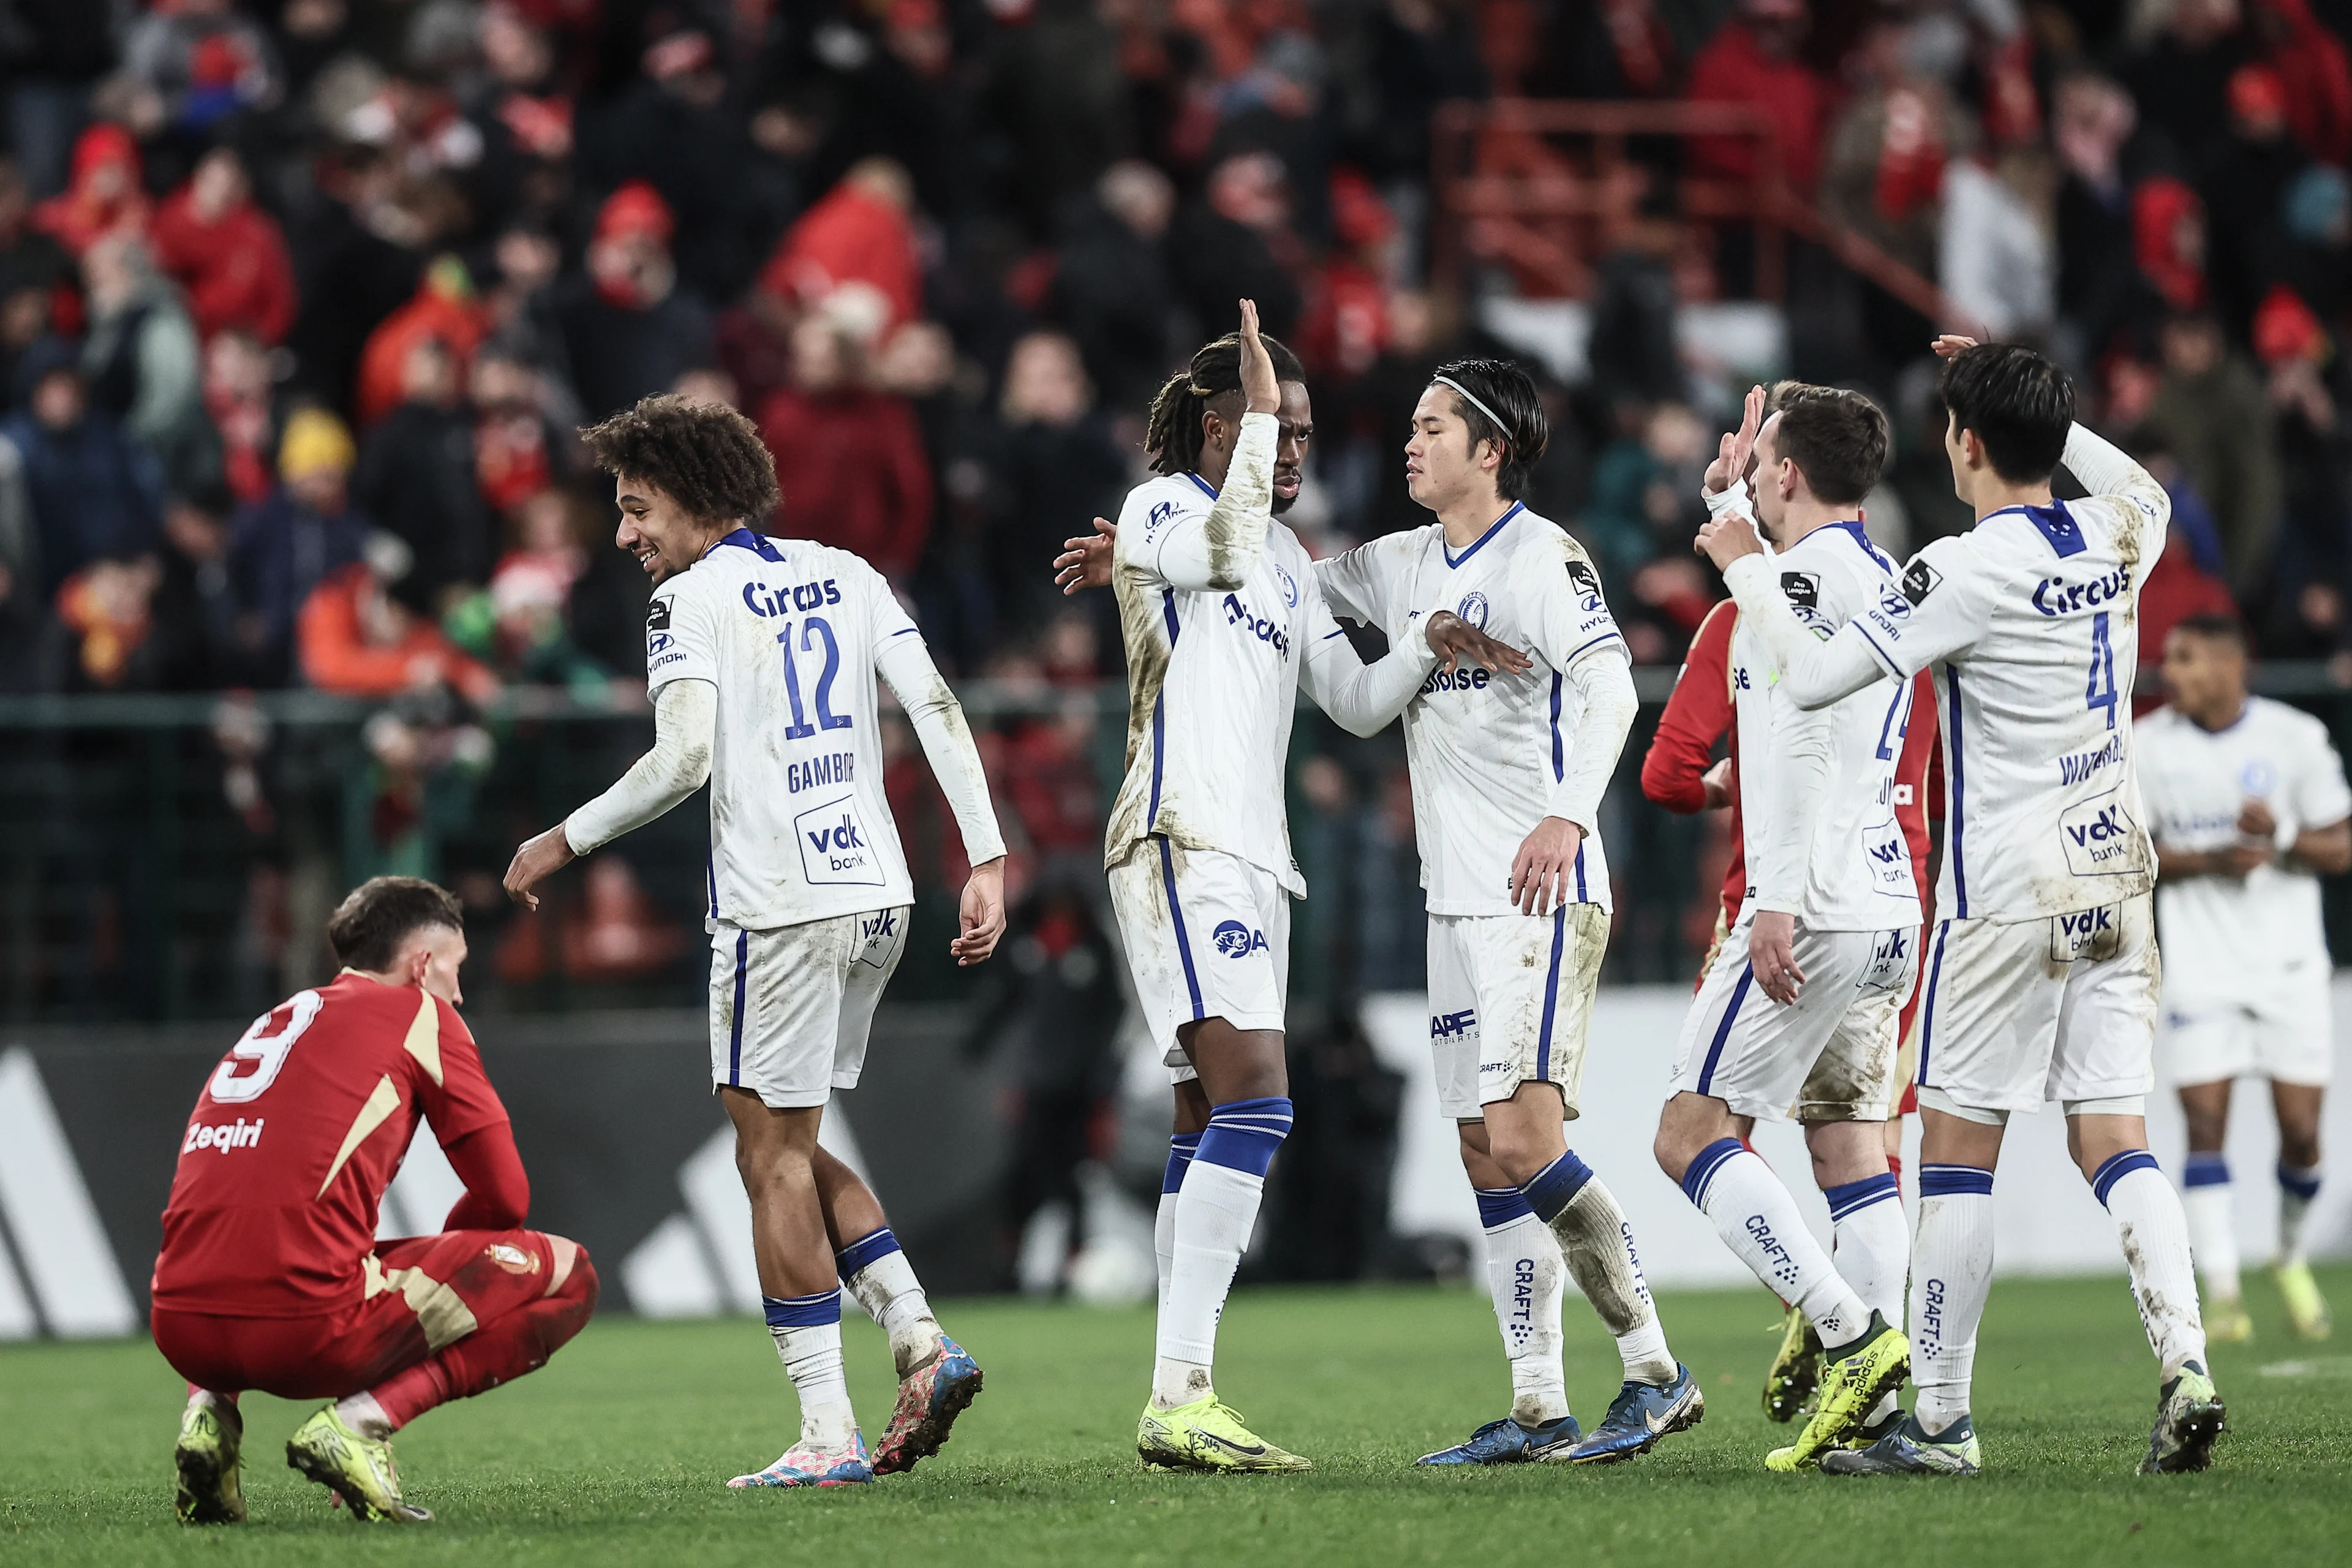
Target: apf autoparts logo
<point x="1473" y="609"/>
<point x="1235" y="940"/>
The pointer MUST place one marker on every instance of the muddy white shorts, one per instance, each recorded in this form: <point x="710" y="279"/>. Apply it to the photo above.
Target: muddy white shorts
<point x="790" y="1007"/>
<point x="1207" y="936"/>
<point x="2056" y="1007"/>
<point x="1510" y="1003"/>
<point x="2288" y="1036"/>
<point x="1829" y="1056"/>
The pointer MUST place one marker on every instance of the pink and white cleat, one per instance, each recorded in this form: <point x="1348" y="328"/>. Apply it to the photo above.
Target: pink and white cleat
<point x="802" y="1465"/>
<point x="929" y="1400"/>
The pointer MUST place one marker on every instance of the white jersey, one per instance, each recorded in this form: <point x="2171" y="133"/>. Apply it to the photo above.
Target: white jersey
<point x="2030" y="620"/>
<point x="2229" y="941"/>
<point x="1818" y="788"/>
<point x="1489" y="754"/>
<point x="790" y="632"/>
<point x="1213" y="671"/>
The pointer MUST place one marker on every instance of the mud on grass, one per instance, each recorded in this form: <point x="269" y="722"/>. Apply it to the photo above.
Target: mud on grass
<point x="618" y="1451"/>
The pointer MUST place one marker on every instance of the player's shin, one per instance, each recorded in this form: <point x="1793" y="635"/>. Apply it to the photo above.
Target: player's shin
<point x="2154" y="1234"/>
<point x="2298" y="1186"/>
<point x="1761" y="1224"/>
<point x="1181" y="1148"/>
<point x="875" y="1270"/>
<point x="1599" y="1248"/>
<point x="807" y="1331"/>
<point x="1216" y="1213"/>
<point x="1951" y="1275"/>
<point x="1524" y="1275"/>
<point x="2209" y="1201"/>
<point x="1871" y="1247"/>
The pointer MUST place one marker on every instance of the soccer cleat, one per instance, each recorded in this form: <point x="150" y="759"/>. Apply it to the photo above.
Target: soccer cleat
<point x="803" y="1466"/>
<point x="1796" y="1369"/>
<point x="358" y="1471"/>
<point x="1208" y="1434"/>
<point x="929" y="1400"/>
<point x="2189" y="1416"/>
<point x="1851" y="1388"/>
<point x="1908" y="1450"/>
<point x="1640" y="1414"/>
<point x="1506" y="1442"/>
<point x="2228" y="1324"/>
<point x="1865" y="1435"/>
<point x="2306" y="1308"/>
<point x="208" y="1460"/>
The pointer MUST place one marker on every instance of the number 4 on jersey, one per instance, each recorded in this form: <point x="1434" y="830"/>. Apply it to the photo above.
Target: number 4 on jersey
<point x="2101" y="692"/>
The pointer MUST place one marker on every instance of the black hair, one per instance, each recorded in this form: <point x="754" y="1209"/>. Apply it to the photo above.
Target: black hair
<point x="2215" y="625"/>
<point x="2020" y="405"/>
<point x="1838" y="439"/>
<point x="1173" y="436"/>
<point x="706" y="457"/>
<point x="369" y="928"/>
<point x="1505" y="386"/>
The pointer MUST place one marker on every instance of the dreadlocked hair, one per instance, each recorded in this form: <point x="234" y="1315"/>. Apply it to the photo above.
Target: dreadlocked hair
<point x="704" y="456"/>
<point x="1173" y="436"/>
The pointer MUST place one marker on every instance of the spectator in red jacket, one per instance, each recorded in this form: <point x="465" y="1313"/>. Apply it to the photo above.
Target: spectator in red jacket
<point x="226" y="252"/>
<point x="1753" y="60"/>
<point x="854" y="252"/>
<point x="851" y="458"/>
<point x="2315" y="70"/>
<point x="105" y="195"/>
<point x="357" y="640"/>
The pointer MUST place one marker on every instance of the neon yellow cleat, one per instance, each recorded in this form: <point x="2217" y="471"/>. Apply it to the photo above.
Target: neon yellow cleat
<point x="2306" y="1308"/>
<point x="1851" y="1388"/>
<point x="1796" y="1369"/>
<point x="1208" y="1434"/>
<point x="2228" y="1324"/>
<point x="2189" y="1416"/>
<point x="207" y="1460"/>
<point x="356" y="1469"/>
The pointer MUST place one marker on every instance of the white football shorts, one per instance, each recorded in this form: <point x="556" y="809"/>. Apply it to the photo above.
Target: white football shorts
<point x="1510" y="1003"/>
<point x="2056" y="1007"/>
<point x="790" y="1007"/>
<point x="1207" y="936"/>
<point x="1829" y="1056"/>
<point x="2288" y="1036"/>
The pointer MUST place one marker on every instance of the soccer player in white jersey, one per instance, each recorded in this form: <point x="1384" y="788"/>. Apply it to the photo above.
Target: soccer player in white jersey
<point x="1223" y="624"/>
<point x="2247" y="801"/>
<point x="761" y="655"/>
<point x="1799" y="1008"/>
<point x="2042" y="972"/>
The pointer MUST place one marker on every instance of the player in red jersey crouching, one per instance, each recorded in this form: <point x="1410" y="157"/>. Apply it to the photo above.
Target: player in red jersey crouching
<point x="270" y="1276"/>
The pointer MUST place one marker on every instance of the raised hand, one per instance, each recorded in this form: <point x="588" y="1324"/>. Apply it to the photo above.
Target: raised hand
<point x="1085" y="562"/>
<point x="1949" y="344"/>
<point x="1737" y="448"/>
<point x="1259" y="387"/>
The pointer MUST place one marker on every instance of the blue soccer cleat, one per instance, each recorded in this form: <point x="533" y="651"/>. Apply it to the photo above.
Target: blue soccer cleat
<point x="929" y="1400"/>
<point x="1506" y="1442"/>
<point x="1908" y="1450"/>
<point x="803" y="1466"/>
<point x="1640" y="1414"/>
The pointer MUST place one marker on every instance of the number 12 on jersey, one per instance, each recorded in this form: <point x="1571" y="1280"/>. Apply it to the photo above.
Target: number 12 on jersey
<point x="816" y="628"/>
<point x="2102" y="691"/>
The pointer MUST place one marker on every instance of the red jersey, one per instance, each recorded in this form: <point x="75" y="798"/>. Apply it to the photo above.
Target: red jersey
<point x="303" y="1126"/>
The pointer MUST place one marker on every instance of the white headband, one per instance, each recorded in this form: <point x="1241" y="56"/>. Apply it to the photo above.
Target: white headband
<point x="1500" y="422"/>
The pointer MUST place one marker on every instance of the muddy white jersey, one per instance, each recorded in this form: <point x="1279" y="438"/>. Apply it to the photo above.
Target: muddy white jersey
<point x="2239" y="940"/>
<point x="2030" y="620"/>
<point x="1489" y="754"/>
<point x="1817" y="789"/>
<point x="790" y="632"/>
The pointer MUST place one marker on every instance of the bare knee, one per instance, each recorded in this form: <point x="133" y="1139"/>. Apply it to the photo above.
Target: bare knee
<point x="1687" y="1126"/>
<point x="2205" y="1107"/>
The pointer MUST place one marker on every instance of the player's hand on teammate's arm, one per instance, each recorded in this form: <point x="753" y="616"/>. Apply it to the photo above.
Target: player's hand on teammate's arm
<point x="981" y="913"/>
<point x="1737" y="451"/>
<point x="1259" y="386"/>
<point x="1772" y="949"/>
<point x="1724" y="540"/>
<point x="1716" y="782"/>
<point x="2255" y="821"/>
<point x="1455" y="640"/>
<point x="538" y="860"/>
<point x="1085" y="562"/>
<point x="1545" y="868"/>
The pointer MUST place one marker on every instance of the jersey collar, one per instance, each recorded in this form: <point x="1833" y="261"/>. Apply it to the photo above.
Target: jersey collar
<point x="1853" y="526"/>
<point x="1453" y="560"/>
<point x="744" y="538"/>
<point x="1206" y="488"/>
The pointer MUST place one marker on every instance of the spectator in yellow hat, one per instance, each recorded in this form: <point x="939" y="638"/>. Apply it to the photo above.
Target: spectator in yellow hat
<point x="296" y="537"/>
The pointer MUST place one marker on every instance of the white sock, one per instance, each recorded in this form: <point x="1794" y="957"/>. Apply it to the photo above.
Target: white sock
<point x="1599" y="1248"/>
<point x="2207" y="1200"/>
<point x="1871" y="1247"/>
<point x="1951" y="1275"/>
<point x="2155" y="1236"/>
<point x="362" y="1415"/>
<point x="2297" y="1188"/>
<point x="1762" y="1224"/>
<point x="1215" y="1216"/>
<point x="1182" y="1147"/>
<point x="811" y="1358"/>
<point x="877" y="1271"/>
<point x="1523" y="1276"/>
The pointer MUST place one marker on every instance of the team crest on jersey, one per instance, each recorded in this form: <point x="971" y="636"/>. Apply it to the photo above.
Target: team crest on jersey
<point x="1803" y="589"/>
<point x="1919" y="581"/>
<point x="2258" y="777"/>
<point x="1473" y="609"/>
<point x="512" y="1259"/>
<point x="1289" y="587"/>
<point x="1235" y="940"/>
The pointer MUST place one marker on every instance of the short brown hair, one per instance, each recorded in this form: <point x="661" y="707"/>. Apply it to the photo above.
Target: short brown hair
<point x="704" y="456"/>
<point x="369" y="928"/>
<point x="1838" y="439"/>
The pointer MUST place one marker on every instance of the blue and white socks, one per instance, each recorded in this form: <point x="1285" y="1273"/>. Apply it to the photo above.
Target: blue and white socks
<point x="1951" y="1275"/>
<point x="1181" y="1148"/>
<point x="874" y="1268"/>
<point x="1598" y="1246"/>
<point x="2298" y="1187"/>
<point x="2155" y="1236"/>
<point x="2209" y="1202"/>
<point x="1215" y="1211"/>
<point x="1761" y="1224"/>
<point x="1524" y="1275"/>
<point x="807" y="1331"/>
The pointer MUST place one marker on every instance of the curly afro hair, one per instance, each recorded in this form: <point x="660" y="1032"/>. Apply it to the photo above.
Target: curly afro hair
<point x="704" y="456"/>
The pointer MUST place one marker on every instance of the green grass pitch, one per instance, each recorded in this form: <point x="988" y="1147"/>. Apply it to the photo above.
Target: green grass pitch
<point x="615" y="1452"/>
